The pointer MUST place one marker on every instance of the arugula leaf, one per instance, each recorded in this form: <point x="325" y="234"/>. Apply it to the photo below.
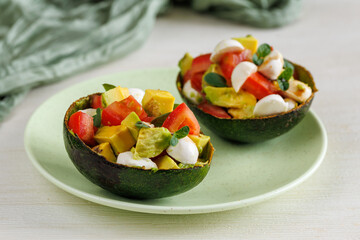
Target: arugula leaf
<point x="97" y="118"/>
<point x="108" y="87"/>
<point x="181" y="133"/>
<point x="284" y="78"/>
<point x="287" y="64"/>
<point x="140" y="124"/>
<point x="215" y="79"/>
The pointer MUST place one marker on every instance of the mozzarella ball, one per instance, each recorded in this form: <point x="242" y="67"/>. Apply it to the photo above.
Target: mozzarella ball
<point x="240" y="73"/>
<point x="127" y="159"/>
<point x="291" y="103"/>
<point x="191" y="94"/>
<point x="228" y="45"/>
<point x="270" y="105"/>
<point x="298" y="91"/>
<point x="272" y="65"/>
<point x="185" y="151"/>
<point x="89" y="111"/>
<point x="137" y="93"/>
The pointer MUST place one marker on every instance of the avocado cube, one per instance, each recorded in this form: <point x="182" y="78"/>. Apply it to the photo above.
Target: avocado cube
<point x="130" y="122"/>
<point x="185" y="63"/>
<point x="227" y="97"/>
<point x="249" y="42"/>
<point x="200" y="141"/>
<point x="119" y="137"/>
<point x="157" y="102"/>
<point x="115" y="94"/>
<point x="104" y="149"/>
<point x="152" y="141"/>
<point x="246" y="111"/>
<point x="165" y="162"/>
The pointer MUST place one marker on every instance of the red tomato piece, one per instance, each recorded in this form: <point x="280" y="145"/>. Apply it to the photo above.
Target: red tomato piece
<point x="180" y="117"/>
<point x="187" y="76"/>
<point x="116" y="112"/>
<point x="82" y="124"/>
<point x="213" y="110"/>
<point x="229" y="61"/>
<point x="259" y="86"/>
<point x="201" y="63"/>
<point x="196" y="81"/>
<point x="96" y="101"/>
<point x="148" y="119"/>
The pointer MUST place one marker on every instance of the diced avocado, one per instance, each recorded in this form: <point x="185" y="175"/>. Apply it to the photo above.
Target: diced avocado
<point x="130" y="122"/>
<point x="242" y="113"/>
<point x="152" y="141"/>
<point x="213" y="68"/>
<point x="115" y="94"/>
<point x="157" y="102"/>
<point x="166" y="162"/>
<point x="119" y="137"/>
<point x="227" y="97"/>
<point x="249" y="42"/>
<point x="201" y="141"/>
<point x="104" y="149"/>
<point x="185" y="63"/>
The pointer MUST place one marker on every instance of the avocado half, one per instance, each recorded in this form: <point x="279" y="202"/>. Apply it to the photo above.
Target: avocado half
<point x="128" y="181"/>
<point x="255" y="129"/>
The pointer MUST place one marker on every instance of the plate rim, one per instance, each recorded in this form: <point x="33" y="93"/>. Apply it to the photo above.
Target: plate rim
<point x="137" y="207"/>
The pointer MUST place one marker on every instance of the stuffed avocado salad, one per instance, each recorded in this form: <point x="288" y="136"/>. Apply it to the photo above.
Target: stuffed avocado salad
<point x="136" y="143"/>
<point x="245" y="92"/>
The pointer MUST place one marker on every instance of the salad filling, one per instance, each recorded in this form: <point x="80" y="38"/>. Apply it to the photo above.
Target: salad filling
<point x="242" y="80"/>
<point x="151" y="134"/>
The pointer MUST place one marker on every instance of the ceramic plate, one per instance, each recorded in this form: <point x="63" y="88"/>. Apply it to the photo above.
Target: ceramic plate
<point x="240" y="175"/>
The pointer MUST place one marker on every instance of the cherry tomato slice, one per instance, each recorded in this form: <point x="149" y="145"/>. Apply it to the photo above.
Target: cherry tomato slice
<point x="82" y="124"/>
<point x="213" y="110"/>
<point x="180" y="117"/>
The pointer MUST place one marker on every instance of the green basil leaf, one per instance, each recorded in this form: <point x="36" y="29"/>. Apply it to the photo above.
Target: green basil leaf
<point x="140" y="124"/>
<point x="215" y="80"/>
<point x="182" y="132"/>
<point x="258" y="61"/>
<point x="108" y="87"/>
<point x="287" y="64"/>
<point x="283" y="84"/>
<point x="263" y="50"/>
<point x="97" y="118"/>
<point x="174" y="140"/>
<point x="286" y="74"/>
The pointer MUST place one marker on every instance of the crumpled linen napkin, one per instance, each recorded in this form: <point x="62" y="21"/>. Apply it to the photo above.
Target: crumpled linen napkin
<point x="44" y="41"/>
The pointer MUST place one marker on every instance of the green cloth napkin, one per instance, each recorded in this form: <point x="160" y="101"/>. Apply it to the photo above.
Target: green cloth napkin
<point x="46" y="41"/>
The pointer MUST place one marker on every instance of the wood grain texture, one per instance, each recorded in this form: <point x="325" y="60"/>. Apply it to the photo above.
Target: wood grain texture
<point x="327" y="206"/>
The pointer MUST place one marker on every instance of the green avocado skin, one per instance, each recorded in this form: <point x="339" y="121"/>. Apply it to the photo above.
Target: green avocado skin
<point x="256" y="129"/>
<point x="126" y="181"/>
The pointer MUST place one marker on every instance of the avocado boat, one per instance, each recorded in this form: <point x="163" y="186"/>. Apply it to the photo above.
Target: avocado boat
<point x="212" y="88"/>
<point x="130" y="181"/>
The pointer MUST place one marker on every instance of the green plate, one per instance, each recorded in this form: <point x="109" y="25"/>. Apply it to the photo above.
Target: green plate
<point x="240" y="175"/>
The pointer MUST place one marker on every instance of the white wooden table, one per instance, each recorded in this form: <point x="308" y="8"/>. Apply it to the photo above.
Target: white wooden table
<point x="327" y="206"/>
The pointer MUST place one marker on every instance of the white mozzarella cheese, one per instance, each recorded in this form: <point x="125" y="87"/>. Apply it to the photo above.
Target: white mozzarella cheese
<point x="89" y="111"/>
<point x="272" y="65"/>
<point x="298" y="91"/>
<point x="127" y="159"/>
<point x="228" y="45"/>
<point x="191" y="94"/>
<point x="270" y="105"/>
<point x="185" y="151"/>
<point x="137" y="93"/>
<point x="240" y="73"/>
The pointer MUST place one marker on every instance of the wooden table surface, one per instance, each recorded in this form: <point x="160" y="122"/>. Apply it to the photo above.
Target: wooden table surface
<point x="326" y="206"/>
